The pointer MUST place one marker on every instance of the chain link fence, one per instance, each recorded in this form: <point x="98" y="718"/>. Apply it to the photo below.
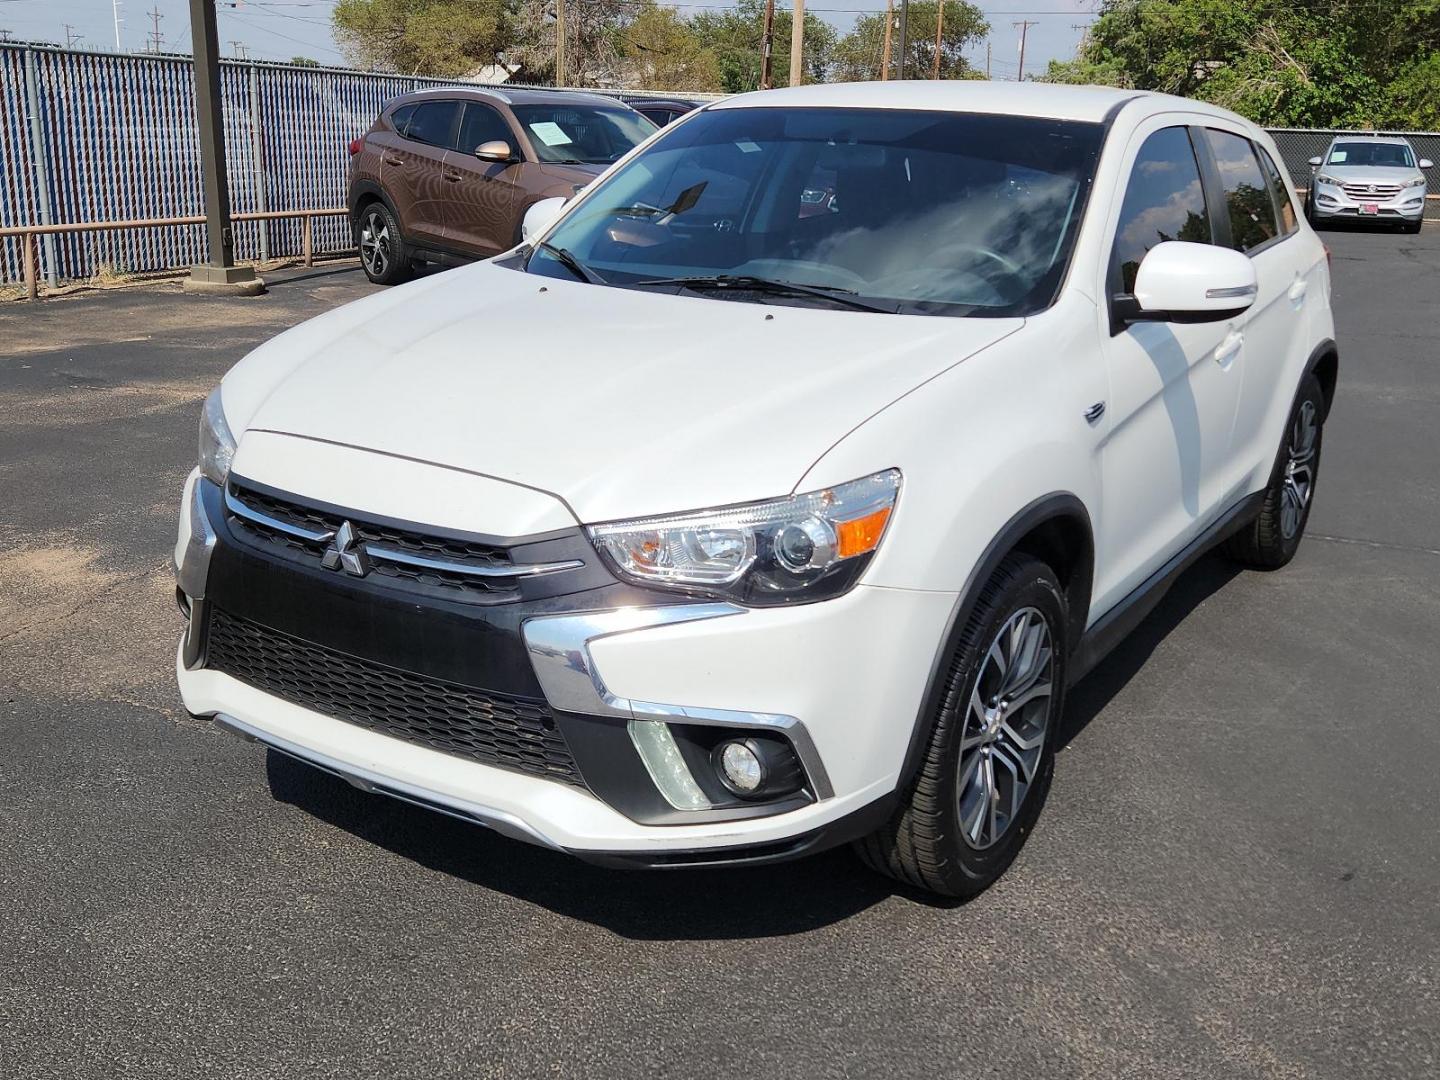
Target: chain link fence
<point x="1299" y="145"/>
<point x="88" y="136"/>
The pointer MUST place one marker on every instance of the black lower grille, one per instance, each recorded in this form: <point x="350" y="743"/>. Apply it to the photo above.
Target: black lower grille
<point x="497" y="729"/>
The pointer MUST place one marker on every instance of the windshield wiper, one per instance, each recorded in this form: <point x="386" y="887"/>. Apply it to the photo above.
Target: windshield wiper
<point x="571" y="263"/>
<point x="750" y="283"/>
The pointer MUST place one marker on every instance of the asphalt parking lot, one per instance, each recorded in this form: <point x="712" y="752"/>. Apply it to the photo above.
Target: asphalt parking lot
<point x="1236" y="875"/>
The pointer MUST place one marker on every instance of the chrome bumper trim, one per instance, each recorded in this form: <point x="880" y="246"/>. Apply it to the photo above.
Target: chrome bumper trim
<point x="559" y="647"/>
<point x="377" y="784"/>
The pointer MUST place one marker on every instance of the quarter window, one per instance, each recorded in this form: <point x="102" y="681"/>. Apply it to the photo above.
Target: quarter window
<point x="400" y="118"/>
<point x="433" y="122"/>
<point x="1164" y="200"/>
<point x="1247" y="193"/>
<point x="1288" y="223"/>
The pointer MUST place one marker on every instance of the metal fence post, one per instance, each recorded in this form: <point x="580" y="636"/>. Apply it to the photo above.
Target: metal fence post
<point x="262" y="202"/>
<point x="307" y="239"/>
<point x="39" y="159"/>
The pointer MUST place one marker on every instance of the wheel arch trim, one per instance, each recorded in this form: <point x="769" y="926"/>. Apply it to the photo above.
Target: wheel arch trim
<point x="1324" y="364"/>
<point x="1056" y="506"/>
<point x="363" y="192"/>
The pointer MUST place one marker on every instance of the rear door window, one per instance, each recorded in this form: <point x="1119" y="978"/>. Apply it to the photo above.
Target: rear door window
<point x="1164" y="200"/>
<point x="1288" y="220"/>
<point x="433" y="122"/>
<point x="1248" y="203"/>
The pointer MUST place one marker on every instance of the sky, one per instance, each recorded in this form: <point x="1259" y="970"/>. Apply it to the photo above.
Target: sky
<point x="282" y="29"/>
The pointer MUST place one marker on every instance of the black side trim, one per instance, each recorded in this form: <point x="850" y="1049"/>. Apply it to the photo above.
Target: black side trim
<point x="1326" y="350"/>
<point x="1116" y="624"/>
<point x="1046" y="508"/>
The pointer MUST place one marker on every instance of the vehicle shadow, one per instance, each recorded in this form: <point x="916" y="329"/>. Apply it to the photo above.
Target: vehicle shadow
<point x="742" y="902"/>
<point x="1088" y="698"/>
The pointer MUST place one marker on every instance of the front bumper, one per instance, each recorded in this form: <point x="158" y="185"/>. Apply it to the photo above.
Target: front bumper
<point x="841" y="680"/>
<point x="1332" y="202"/>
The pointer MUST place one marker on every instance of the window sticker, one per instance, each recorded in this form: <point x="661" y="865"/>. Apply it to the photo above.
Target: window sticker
<point x="550" y="133"/>
<point x="748" y="147"/>
<point x="1338" y="157"/>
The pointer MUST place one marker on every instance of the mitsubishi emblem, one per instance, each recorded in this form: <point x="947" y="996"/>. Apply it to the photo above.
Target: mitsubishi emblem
<point x="345" y="553"/>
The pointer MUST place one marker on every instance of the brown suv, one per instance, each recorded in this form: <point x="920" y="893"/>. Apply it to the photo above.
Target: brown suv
<point x="447" y="174"/>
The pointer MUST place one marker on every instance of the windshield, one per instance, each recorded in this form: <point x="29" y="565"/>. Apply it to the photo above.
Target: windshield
<point x="584" y="134"/>
<point x="921" y="212"/>
<point x="1372" y="153"/>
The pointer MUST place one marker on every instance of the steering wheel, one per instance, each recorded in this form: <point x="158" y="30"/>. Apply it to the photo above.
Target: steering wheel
<point x="906" y="280"/>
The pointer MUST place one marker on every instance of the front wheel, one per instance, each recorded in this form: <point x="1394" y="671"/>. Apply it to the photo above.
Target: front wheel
<point x="991" y="754"/>
<point x="1271" y="540"/>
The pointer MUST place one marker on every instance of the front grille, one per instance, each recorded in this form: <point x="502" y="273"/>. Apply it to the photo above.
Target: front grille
<point x="509" y="732"/>
<point x="1363" y="192"/>
<point x="463" y="553"/>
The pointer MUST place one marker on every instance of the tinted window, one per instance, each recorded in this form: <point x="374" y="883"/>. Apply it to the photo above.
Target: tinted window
<point x="1247" y="193"/>
<point x="1164" y="200"/>
<point x="481" y="124"/>
<point x="401" y="117"/>
<point x="432" y="123"/>
<point x="1394" y="155"/>
<point x="588" y="134"/>
<point x="1279" y="190"/>
<point x="925" y="212"/>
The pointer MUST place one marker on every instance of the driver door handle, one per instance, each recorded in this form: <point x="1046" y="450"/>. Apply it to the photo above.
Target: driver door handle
<point x="452" y="175"/>
<point x="1229" y="348"/>
<point x="394" y="160"/>
<point x="1299" y="289"/>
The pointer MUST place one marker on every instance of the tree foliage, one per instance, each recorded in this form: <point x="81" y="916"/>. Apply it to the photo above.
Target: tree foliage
<point x="735" y="37"/>
<point x="858" y="55"/>
<point x="1309" y="63"/>
<point x="445" y="38"/>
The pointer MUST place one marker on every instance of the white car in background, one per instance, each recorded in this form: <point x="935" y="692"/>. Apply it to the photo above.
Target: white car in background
<point x="706" y="529"/>
<point x="1369" y="176"/>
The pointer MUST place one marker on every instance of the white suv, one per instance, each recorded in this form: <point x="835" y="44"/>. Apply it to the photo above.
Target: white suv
<point x="1362" y="176"/>
<point x="719" y="523"/>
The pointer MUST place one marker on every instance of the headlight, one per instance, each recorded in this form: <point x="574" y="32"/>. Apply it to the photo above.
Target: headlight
<point x="792" y="550"/>
<point x="1323" y="179"/>
<point x="1419" y="181"/>
<point x="217" y="445"/>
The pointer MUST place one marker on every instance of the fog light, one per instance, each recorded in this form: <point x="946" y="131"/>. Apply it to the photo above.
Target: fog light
<point x="741" y="769"/>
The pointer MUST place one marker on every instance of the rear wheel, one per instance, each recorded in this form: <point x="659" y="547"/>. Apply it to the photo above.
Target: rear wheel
<point x="987" y="768"/>
<point x="1271" y="540"/>
<point x="383" y="253"/>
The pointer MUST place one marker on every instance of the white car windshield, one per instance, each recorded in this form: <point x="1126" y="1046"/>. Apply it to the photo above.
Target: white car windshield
<point x="903" y="211"/>
<point x="1393" y="155"/>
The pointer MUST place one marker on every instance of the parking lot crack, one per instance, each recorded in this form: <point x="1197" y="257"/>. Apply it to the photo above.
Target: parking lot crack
<point x="1381" y="545"/>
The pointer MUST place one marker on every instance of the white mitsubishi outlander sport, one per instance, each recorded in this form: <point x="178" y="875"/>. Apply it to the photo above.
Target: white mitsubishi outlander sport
<point x="770" y="496"/>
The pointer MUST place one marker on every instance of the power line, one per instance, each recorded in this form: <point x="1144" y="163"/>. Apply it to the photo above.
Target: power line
<point x="157" y="40"/>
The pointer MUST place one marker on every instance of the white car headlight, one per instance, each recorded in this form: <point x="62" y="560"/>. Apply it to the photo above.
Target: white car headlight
<point x="217" y="444"/>
<point x="1323" y="179"/>
<point x="1419" y="181"/>
<point x="792" y="550"/>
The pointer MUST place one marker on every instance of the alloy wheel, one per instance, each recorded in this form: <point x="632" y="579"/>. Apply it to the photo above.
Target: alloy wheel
<point x="1299" y="480"/>
<point x="1005" y="727"/>
<point x="375" y="245"/>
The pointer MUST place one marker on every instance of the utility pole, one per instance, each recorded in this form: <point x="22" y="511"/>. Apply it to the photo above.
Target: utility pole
<point x="115" y="14"/>
<point x="939" y="35"/>
<point x="767" y="44"/>
<point x="904" y="34"/>
<point x="4" y="36"/>
<point x="559" y="42"/>
<point x="241" y="52"/>
<point x="987" y="58"/>
<point x="1084" y="29"/>
<point x="1024" y="28"/>
<point x="157" y="41"/>
<point x="885" y="56"/>
<point x="218" y="274"/>
<point x="71" y="38"/>
<point x="797" y="42"/>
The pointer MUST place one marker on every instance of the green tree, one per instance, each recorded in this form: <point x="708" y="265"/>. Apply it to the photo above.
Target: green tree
<point x="859" y="53"/>
<point x="446" y="38"/>
<point x="1342" y="63"/>
<point x="303" y="61"/>
<point x="663" y="52"/>
<point x="734" y="37"/>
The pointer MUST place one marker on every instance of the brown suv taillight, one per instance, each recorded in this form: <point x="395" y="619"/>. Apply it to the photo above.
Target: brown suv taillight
<point x="355" y="146"/>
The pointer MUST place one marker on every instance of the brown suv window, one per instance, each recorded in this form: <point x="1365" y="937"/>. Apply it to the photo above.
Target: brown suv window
<point x="433" y="122"/>
<point x="1247" y="195"/>
<point x="400" y="118"/>
<point x="482" y="124"/>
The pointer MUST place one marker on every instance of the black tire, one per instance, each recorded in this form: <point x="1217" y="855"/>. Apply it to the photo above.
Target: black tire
<point x="384" y="255"/>
<point x="924" y="843"/>
<point x="1272" y="538"/>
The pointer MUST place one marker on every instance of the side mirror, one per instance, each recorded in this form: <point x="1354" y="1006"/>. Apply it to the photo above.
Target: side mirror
<point x="1426" y="163"/>
<point x="1315" y="162"/>
<point x="1190" y="283"/>
<point x="494" y="150"/>
<point x="541" y="216"/>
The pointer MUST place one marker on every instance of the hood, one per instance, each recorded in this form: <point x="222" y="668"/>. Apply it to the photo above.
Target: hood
<point x="570" y="174"/>
<point x="620" y="402"/>
<point x="1370" y="174"/>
